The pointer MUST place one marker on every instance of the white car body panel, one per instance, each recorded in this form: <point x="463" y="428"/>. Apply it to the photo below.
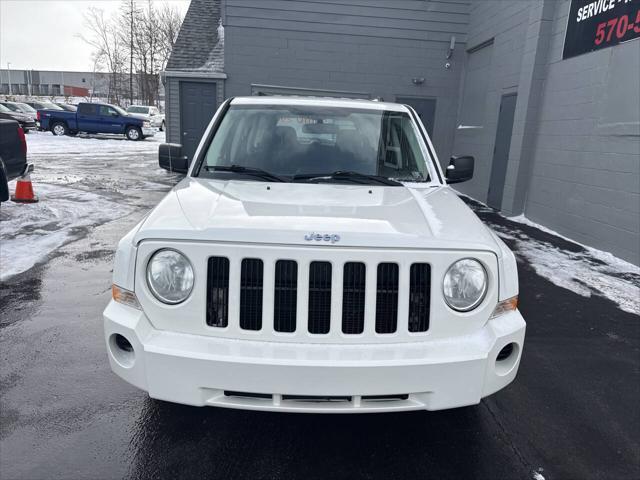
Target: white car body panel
<point x="178" y="357"/>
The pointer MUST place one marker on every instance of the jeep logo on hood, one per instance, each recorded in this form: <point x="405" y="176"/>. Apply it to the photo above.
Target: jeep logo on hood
<point x="322" y="237"/>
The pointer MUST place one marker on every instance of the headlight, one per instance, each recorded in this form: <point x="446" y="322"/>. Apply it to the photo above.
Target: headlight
<point x="465" y="285"/>
<point x="146" y="124"/>
<point x="170" y="276"/>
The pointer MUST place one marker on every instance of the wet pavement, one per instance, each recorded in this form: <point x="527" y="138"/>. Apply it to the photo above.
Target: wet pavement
<point x="572" y="413"/>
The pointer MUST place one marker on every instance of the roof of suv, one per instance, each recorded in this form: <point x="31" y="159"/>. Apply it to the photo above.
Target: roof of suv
<point x="319" y="101"/>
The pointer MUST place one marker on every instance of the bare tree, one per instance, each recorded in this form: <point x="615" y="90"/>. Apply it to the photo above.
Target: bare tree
<point x="143" y="37"/>
<point x="108" y="52"/>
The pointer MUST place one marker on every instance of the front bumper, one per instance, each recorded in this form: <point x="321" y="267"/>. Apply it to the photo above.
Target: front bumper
<point x="149" y="131"/>
<point x="297" y="377"/>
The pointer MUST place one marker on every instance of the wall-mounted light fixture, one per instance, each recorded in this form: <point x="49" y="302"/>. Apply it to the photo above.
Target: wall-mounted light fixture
<point x="417" y="80"/>
<point x="452" y="46"/>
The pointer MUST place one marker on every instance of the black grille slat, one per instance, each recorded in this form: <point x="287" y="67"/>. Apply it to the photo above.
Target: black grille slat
<point x="285" y="296"/>
<point x="419" y="297"/>
<point x="353" y="297"/>
<point x="387" y="298"/>
<point x="251" y="280"/>
<point x="319" y="314"/>
<point x="218" y="292"/>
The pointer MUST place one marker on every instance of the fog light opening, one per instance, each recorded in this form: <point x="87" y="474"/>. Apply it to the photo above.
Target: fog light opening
<point x="122" y="350"/>
<point x="505" y="353"/>
<point x="507" y="358"/>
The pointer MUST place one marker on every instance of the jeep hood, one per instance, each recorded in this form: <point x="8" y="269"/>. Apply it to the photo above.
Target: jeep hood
<point x="285" y="213"/>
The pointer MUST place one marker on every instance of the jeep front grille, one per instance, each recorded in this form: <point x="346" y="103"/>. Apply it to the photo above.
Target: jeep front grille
<point x="251" y="278"/>
<point x="353" y="290"/>
<point x="218" y="292"/>
<point x="319" y="297"/>
<point x="419" y="297"/>
<point x="361" y="297"/>
<point x="285" y="296"/>
<point x="387" y="298"/>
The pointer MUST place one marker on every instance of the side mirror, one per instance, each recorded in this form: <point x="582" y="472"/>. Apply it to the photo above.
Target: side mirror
<point x="4" y="185"/>
<point x="460" y="169"/>
<point x="170" y="158"/>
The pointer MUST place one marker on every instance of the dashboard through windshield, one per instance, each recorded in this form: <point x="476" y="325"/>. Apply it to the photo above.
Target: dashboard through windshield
<point x="313" y="143"/>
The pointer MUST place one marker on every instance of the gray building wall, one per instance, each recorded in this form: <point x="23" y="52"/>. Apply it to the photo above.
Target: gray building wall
<point x="353" y="46"/>
<point x="575" y="149"/>
<point x="585" y="181"/>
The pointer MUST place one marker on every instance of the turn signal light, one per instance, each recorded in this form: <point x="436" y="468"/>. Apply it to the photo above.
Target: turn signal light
<point x="125" y="297"/>
<point x="505" y="306"/>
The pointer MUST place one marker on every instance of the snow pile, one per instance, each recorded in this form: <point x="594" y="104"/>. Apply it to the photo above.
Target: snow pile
<point x="30" y="232"/>
<point x="585" y="272"/>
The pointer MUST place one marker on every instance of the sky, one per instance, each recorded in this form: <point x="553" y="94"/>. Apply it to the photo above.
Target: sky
<point x="43" y="34"/>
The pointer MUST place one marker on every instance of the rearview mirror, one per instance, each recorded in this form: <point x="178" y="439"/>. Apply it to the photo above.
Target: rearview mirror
<point x="319" y="128"/>
<point x="170" y="158"/>
<point x="460" y="169"/>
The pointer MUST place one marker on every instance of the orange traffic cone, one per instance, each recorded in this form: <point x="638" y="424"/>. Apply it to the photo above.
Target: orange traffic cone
<point x="24" y="191"/>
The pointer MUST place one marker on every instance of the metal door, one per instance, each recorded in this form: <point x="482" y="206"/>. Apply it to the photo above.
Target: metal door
<point x="501" y="150"/>
<point x="197" y="106"/>
<point x="424" y="107"/>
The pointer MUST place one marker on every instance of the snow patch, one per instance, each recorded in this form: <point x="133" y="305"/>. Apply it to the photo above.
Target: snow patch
<point x="30" y="232"/>
<point x="537" y="475"/>
<point x="587" y="272"/>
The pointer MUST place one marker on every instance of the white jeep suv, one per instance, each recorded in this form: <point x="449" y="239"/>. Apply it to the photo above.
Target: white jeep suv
<point x="314" y="259"/>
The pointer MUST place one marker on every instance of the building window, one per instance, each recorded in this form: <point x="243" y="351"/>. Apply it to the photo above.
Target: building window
<point x="55" y="89"/>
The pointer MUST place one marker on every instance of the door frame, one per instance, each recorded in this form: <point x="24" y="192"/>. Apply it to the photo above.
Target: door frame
<point x="495" y="138"/>
<point x="181" y="82"/>
<point x="423" y="97"/>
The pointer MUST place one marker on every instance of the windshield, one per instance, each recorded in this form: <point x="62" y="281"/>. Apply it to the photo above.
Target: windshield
<point x="138" y="109"/>
<point x="47" y="106"/>
<point x="4" y="109"/>
<point x="25" y="108"/>
<point x="303" y="141"/>
<point x="119" y="110"/>
<point x="9" y="106"/>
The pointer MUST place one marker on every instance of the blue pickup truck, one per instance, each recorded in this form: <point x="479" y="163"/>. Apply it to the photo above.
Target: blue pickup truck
<point x="96" y="118"/>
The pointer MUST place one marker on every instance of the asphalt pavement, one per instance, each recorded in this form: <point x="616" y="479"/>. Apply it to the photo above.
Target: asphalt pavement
<point x="572" y="413"/>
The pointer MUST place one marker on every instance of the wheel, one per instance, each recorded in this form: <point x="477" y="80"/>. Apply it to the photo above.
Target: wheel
<point x="162" y="126"/>
<point x="133" y="133"/>
<point x="59" y="128"/>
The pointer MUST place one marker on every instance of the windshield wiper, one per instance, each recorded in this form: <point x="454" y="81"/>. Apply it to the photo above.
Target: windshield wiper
<point x="356" y="177"/>
<point x="256" y="172"/>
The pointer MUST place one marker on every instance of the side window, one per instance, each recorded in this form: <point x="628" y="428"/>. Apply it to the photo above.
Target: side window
<point x="107" y="111"/>
<point x="87" y="109"/>
<point x="399" y="145"/>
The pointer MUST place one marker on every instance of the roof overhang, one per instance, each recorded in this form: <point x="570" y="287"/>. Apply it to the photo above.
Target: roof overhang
<point x="194" y="74"/>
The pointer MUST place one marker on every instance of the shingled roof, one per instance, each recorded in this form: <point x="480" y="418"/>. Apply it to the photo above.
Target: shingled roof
<point x="200" y="43"/>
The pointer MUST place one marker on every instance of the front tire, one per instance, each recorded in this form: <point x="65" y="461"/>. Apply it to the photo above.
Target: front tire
<point x="59" y="129"/>
<point x="133" y="133"/>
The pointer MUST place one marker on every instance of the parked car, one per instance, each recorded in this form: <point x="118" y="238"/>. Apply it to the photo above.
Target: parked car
<point x="149" y="113"/>
<point x="314" y="259"/>
<point x="13" y="155"/>
<point x="68" y="107"/>
<point x="20" y="107"/>
<point x="95" y="118"/>
<point x="40" y="105"/>
<point x="27" y="122"/>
